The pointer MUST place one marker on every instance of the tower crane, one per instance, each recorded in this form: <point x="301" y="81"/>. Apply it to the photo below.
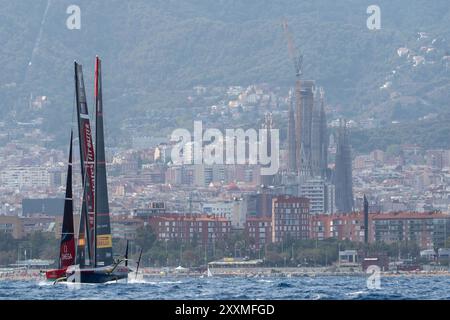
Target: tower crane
<point x="296" y="57"/>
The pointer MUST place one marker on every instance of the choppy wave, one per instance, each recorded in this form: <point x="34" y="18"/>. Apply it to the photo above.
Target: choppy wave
<point x="217" y="288"/>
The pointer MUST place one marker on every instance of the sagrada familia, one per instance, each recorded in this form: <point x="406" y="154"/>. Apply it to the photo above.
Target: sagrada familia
<point x="308" y="174"/>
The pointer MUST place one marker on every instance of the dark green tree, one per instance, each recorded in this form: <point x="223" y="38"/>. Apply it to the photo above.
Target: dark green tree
<point x="145" y="238"/>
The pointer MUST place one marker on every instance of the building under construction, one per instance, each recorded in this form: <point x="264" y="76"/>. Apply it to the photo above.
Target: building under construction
<point x="307" y="132"/>
<point x="307" y="145"/>
<point x="307" y="125"/>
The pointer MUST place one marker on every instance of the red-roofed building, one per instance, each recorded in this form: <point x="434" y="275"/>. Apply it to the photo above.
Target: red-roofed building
<point x="428" y="230"/>
<point x="340" y="226"/>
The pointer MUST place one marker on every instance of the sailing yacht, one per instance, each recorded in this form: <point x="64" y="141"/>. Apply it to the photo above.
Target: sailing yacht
<point x="95" y="262"/>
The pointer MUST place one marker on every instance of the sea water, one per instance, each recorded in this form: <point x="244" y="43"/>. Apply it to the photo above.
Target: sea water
<point x="236" y="288"/>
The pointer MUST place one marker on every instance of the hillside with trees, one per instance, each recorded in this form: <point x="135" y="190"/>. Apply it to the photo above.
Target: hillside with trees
<point x="154" y="51"/>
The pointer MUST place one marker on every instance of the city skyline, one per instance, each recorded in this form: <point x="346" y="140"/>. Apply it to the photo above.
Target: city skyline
<point x="225" y="151"/>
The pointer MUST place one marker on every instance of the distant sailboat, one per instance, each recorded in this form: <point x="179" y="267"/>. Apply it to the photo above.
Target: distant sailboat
<point x="209" y="273"/>
<point x="95" y="239"/>
<point x="67" y="246"/>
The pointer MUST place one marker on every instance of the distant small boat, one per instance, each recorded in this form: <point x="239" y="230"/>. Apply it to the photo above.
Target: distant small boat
<point x="209" y="273"/>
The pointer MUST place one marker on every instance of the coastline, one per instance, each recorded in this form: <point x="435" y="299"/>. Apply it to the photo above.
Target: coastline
<point x="260" y="272"/>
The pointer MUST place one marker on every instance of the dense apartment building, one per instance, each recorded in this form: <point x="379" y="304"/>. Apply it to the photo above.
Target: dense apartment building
<point x="25" y="177"/>
<point x="38" y="223"/>
<point x="201" y="228"/>
<point x="223" y="209"/>
<point x="11" y="225"/>
<point x="260" y="204"/>
<point x="154" y="208"/>
<point x="321" y="195"/>
<point x="258" y="231"/>
<point x="290" y="218"/>
<point x="340" y="226"/>
<point x="234" y="210"/>
<point x="201" y="175"/>
<point x="124" y="227"/>
<point x="44" y="206"/>
<point x="429" y="230"/>
<point x="437" y="159"/>
<point x="19" y="227"/>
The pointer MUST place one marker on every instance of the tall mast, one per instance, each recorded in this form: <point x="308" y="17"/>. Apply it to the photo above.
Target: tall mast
<point x="87" y="170"/>
<point x="103" y="237"/>
<point x="67" y="247"/>
<point x="96" y="85"/>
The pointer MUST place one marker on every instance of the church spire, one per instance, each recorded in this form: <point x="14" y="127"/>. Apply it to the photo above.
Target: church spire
<point x="292" y="146"/>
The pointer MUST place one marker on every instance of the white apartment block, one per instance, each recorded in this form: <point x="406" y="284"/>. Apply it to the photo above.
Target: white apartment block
<point x="232" y="210"/>
<point x="25" y="177"/>
<point x="223" y="209"/>
<point x="321" y="195"/>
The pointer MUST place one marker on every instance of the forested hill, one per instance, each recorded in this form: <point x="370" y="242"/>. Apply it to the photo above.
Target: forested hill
<point x="153" y="49"/>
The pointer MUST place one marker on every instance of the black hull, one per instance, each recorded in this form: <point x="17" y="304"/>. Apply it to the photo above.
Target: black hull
<point x="100" y="278"/>
<point x="98" y="275"/>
